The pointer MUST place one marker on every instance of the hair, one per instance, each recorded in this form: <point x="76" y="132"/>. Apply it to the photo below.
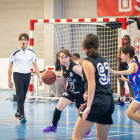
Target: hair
<point x="66" y="52"/>
<point x="57" y="63"/>
<point x="76" y="55"/>
<point x="131" y="50"/>
<point x="23" y="35"/>
<point x="91" y="43"/>
<point x="128" y="38"/>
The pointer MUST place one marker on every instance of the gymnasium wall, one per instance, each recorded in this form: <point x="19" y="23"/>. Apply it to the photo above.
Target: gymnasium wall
<point x="15" y="17"/>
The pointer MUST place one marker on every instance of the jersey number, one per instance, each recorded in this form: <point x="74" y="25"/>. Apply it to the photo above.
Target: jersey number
<point x="104" y="78"/>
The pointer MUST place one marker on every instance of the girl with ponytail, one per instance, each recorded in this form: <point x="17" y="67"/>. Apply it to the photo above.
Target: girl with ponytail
<point x="100" y="104"/>
<point x="133" y="72"/>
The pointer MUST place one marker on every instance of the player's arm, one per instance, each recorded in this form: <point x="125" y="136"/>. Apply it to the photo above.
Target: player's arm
<point x="119" y="54"/>
<point x="10" y="84"/>
<point x="61" y="80"/>
<point x="125" y="72"/>
<point x="119" y="58"/>
<point x="89" y="70"/>
<point x="123" y="78"/>
<point x="37" y="72"/>
<point x="77" y="70"/>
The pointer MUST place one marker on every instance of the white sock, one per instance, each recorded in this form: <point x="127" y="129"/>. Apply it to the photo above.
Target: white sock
<point x="122" y="99"/>
<point x="131" y="98"/>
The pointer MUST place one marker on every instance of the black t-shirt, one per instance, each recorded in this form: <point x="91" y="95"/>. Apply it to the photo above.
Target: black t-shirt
<point x="75" y="82"/>
<point x="102" y="75"/>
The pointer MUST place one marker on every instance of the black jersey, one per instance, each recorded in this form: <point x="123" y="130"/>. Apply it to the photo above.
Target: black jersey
<point x="75" y="82"/>
<point x="102" y="75"/>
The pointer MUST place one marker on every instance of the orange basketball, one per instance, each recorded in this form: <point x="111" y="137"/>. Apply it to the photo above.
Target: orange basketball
<point x="48" y="77"/>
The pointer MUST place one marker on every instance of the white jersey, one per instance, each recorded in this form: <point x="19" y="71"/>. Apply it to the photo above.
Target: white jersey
<point x="22" y="60"/>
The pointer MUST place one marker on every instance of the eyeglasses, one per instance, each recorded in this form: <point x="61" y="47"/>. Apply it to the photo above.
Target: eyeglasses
<point x="23" y="39"/>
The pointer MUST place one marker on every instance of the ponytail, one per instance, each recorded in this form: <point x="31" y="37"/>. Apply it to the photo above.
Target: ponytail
<point x="136" y="58"/>
<point x="92" y="52"/>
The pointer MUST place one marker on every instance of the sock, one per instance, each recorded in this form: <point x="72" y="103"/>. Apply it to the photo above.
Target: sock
<point x="122" y="99"/>
<point x="131" y="98"/>
<point x="56" y="116"/>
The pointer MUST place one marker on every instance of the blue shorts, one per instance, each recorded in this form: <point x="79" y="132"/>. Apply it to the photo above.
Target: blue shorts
<point x="137" y="99"/>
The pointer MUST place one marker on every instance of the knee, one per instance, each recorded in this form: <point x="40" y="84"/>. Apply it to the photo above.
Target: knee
<point x="60" y="107"/>
<point x="129" y="114"/>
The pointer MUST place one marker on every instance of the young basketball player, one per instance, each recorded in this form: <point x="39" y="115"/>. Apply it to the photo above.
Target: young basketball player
<point x="100" y="103"/>
<point x="133" y="72"/>
<point x="77" y="59"/>
<point x="121" y="65"/>
<point x="22" y="57"/>
<point x="72" y="73"/>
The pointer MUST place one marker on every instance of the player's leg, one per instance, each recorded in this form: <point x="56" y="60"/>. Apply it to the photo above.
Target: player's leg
<point x="122" y="97"/>
<point x="102" y="131"/>
<point x="130" y="92"/>
<point x="80" y="100"/>
<point x="58" y="90"/>
<point x="19" y="94"/>
<point x="53" y="88"/>
<point x="26" y="85"/>
<point x="63" y="103"/>
<point x="81" y="128"/>
<point x="131" y="111"/>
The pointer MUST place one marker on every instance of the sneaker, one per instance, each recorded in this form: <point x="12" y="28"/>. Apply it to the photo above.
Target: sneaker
<point x="17" y="116"/>
<point x="88" y="133"/>
<point x="50" y="128"/>
<point x="23" y="120"/>
<point x="121" y="103"/>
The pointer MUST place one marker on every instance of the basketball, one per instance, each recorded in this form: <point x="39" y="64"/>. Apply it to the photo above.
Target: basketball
<point x="48" y="77"/>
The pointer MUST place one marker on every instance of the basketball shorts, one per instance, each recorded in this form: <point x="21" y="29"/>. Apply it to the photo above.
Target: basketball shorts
<point x="78" y="98"/>
<point x="123" y="66"/>
<point x="101" y="109"/>
<point x="137" y="98"/>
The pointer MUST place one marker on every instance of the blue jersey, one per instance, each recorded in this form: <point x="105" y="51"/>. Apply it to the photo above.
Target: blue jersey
<point x="134" y="80"/>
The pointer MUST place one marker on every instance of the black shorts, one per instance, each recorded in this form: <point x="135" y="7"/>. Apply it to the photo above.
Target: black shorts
<point x="123" y="66"/>
<point x="101" y="110"/>
<point x="77" y="97"/>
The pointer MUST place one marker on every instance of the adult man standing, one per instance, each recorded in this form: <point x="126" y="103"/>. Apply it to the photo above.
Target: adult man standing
<point x="22" y="57"/>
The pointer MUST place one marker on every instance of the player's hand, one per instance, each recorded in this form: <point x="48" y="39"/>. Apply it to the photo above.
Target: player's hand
<point x="85" y="113"/>
<point x="10" y="85"/>
<point x="123" y="78"/>
<point x="85" y="96"/>
<point x="82" y="106"/>
<point x="40" y="82"/>
<point x="112" y="71"/>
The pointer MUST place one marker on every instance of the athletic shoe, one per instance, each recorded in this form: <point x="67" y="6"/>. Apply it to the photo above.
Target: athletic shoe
<point x="88" y="133"/>
<point x="50" y="128"/>
<point x="23" y="120"/>
<point x="121" y="103"/>
<point x="17" y="116"/>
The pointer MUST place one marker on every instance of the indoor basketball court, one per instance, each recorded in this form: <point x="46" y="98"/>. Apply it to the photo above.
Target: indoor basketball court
<point x="53" y="25"/>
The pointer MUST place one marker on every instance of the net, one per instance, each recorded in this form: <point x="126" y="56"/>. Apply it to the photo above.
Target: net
<point x="51" y="38"/>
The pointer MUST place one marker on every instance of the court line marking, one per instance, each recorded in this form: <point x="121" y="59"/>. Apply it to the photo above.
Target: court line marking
<point x="117" y="135"/>
<point x="31" y="119"/>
